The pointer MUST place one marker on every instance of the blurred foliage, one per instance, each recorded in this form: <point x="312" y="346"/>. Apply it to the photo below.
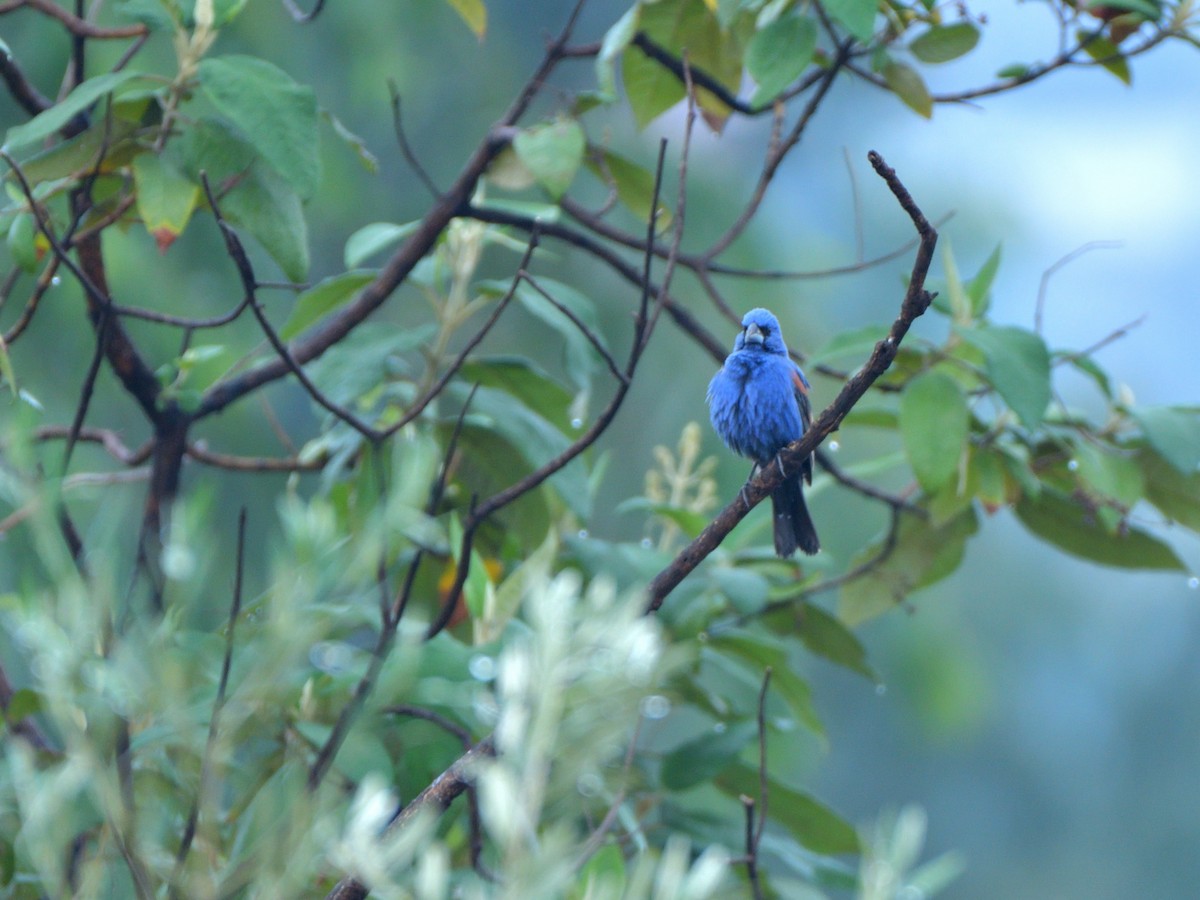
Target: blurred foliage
<point x="205" y="716"/>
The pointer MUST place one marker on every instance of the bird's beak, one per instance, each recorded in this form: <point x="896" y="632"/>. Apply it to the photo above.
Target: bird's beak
<point x="754" y="334"/>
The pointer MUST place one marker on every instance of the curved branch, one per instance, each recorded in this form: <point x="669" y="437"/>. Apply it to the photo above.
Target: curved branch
<point x="78" y="27"/>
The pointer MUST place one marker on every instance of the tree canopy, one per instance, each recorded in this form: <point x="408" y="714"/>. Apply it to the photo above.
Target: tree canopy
<point x="315" y="578"/>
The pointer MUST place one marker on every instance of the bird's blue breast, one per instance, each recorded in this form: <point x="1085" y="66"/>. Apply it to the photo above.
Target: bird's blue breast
<point x="752" y="404"/>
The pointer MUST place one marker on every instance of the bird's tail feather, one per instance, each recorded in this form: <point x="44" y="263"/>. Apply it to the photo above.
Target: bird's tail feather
<point x="794" y="527"/>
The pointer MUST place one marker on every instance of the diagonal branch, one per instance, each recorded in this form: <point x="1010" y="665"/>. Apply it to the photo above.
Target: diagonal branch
<point x="916" y="301"/>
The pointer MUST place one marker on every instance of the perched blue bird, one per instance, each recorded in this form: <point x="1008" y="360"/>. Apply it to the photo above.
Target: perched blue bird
<point x="758" y="403"/>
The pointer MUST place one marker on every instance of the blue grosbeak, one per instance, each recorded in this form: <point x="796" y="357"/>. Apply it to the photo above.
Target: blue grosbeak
<point x="758" y="403"/>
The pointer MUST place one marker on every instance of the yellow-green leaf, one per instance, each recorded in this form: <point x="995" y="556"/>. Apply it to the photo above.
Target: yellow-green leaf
<point x="942" y="43"/>
<point x="908" y="85"/>
<point x="552" y="152"/>
<point x="165" y="198"/>
<point x="474" y="13"/>
<point x="922" y="554"/>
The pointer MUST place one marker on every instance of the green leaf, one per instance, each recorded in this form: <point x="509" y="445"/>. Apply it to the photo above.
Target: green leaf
<point x="934" y="423"/>
<point x="374" y="238"/>
<point x="1174" y="432"/>
<point x="475" y="588"/>
<point x="1088" y="367"/>
<point x="942" y="43"/>
<point x="1105" y="52"/>
<point x="1071" y="527"/>
<point x="1105" y="472"/>
<point x="616" y="39"/>
<point x="856" y="345"/>
<point x="1016" y="70"/>
<point x="979" y="288"/>
<point x="534" y="438"/>
<point x="579" y="356"/>
<point x="267" y="207"/>
<point x="812" y="823"/>
<point x="527" y="382"/>
<point x="22" y="704"/>
<point x="650" y="88"/>
<point x="857" y="15"/>
<point x="1018" y="367"/>
<point x="165" y="198"/>
<point x="953" y="300"/>
<point x="212" y="146"/>
<point x="7" y="372"/>
<point x="1176" y="494"/>
<point x="47" y="123"/>
<point x="691" y="523"/>
<point x="681" y="25"/>
<point x="603" y="875"/>
<point x="200" y="366"/>
<point x="361" y="362"/>
<point x="1151" y="9"/>
<point x="368" y="159"/>
<point x="825" y="635"/>
<point x="81" y="153"/>
<point x="26" y="243"/>
<point x="905" y="82"/>
<point x="986" y="479"/>
<point x="634" y="184"/>
<point x="552" y="152"/>
<point x="922" y="554"/>
<point x="763" y="651"/>
<point x="700" y="759"/>
<point x="474" y="13"/>
<point x="321" y="299"/>
<point x="274" y="113"/>
<point x="745" y="590"/>
<point x="778" y="54"/>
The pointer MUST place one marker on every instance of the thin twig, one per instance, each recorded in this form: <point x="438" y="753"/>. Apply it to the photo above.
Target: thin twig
<point x="866" y="488"/>
<point x="233" y="246"/>
<point x="405" y="148"/>
<point x="206" y="761"/>
<point x="1069" y="258"/>
<point x="592" y="338"/>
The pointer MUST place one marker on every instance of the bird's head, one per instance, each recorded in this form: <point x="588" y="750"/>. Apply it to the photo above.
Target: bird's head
<point x="760" y="331"/>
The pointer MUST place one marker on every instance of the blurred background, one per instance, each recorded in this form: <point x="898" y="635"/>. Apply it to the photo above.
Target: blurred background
<point x="1043" y="712"/>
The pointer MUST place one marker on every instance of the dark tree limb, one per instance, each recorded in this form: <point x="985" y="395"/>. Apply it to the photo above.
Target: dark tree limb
<point x="916" y="301"/>
<point x="28" y="97"/>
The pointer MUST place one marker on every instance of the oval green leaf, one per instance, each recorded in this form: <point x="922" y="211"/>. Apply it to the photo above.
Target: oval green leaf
<point x="907" y="84"/>
<point x="1073" y="528"/>
<point x="778" y="54"/>
<point x="277" y="115"/>
<point x="942" y="43"/>
<point x="321" y="299"/>
<point x="1018" y="366"/>
<point x="1174" y="432"/>
<point x="934" y="422"/>
<point x="553" y="153"/>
